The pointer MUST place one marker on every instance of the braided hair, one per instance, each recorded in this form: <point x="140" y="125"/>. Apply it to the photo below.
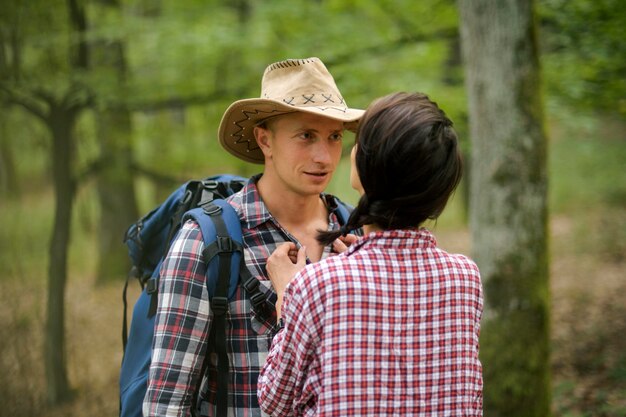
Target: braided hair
<point x="408" y="161"/>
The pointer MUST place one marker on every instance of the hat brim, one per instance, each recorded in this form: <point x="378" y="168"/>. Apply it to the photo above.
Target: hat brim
<point x="236" y="128"/>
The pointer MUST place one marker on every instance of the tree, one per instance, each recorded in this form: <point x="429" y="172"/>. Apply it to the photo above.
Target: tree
<point x="116" y="191"/>
<point x="508" y="213"/>
<point x="57" y="106"/>
<point x="9" y="68"/>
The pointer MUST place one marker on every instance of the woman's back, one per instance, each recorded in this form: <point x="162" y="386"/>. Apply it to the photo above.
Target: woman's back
<point x="395" y="323"/>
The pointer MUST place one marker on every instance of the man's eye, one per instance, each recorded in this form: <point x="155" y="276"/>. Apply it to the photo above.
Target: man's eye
<point x="305" y="135"/>
<point x="336" y="137"/>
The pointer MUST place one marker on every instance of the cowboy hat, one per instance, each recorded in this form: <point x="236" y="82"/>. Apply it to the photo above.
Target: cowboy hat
<point x="303" y="85"/>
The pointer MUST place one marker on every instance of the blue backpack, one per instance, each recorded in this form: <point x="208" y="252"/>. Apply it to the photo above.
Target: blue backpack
<point x="148" y="242"/>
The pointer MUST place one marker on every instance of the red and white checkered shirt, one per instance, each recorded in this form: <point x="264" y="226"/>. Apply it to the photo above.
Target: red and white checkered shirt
<point x="183" y="319"/>
<point x="389" y="327"/>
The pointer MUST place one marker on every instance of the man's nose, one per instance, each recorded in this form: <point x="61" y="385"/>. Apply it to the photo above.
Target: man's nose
<point x="322" y="153"/>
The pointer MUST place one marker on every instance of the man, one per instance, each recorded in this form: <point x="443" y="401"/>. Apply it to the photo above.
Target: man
<point x="296" y="130"/>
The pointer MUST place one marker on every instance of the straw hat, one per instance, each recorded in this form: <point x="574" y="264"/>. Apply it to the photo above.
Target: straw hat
<point x="303" y="85"/>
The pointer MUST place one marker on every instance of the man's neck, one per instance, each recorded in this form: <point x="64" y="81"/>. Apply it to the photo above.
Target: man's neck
<point x="302" y="216"/>
<point x="288" y="207"/>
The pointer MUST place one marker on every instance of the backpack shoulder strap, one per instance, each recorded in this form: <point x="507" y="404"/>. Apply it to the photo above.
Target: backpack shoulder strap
<point x="223" y="250"/>
<point x="221" y="232"/>
<point x="343" y="211"/>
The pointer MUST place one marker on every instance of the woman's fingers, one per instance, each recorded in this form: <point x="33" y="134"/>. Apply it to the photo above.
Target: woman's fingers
<point x="342" y="243"/>
<point x="339" y="246"/>
<point x="283" y="265"/>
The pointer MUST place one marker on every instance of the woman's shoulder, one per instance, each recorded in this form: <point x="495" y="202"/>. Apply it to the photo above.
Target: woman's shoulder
<point x="325" y="272"/>
<point x="460" y="265"/>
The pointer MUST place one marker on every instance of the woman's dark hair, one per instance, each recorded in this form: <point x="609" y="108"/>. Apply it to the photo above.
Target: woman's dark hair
<point x="408" y="161"/>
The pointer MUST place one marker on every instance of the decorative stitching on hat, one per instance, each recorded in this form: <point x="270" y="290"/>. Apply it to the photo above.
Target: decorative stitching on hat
<point x="343" y="110"/>
<point x="239" y="135"/>
<point x="290" y="101"/>
<point x="289" y="63"/>
<point x="328" y="98"/>
<point x="308" y="99"/>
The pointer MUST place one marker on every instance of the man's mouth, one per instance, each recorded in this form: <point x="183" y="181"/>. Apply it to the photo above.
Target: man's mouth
<point x="317" y="174"/>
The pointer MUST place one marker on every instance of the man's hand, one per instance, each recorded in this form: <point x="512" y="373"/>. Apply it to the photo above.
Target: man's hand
<point x="282" y="266"/>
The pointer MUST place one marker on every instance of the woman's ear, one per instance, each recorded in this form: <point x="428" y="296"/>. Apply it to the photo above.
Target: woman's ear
<point x="263" y="139"/>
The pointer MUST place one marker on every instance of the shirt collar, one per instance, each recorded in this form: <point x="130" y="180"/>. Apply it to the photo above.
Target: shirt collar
<point x="253" y="210"/>
<point x="395" y="239"/>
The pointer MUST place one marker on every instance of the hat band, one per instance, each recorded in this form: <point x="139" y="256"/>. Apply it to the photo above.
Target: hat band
<point x="312" y="100"/>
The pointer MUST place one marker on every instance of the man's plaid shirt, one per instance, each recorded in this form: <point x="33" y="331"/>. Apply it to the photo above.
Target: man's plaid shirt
<point x="183" y="318"/>
<point x="388" y="328"/>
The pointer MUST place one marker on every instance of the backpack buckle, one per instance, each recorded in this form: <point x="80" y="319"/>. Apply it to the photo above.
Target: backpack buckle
<point x="219" y="305"/>
<point x="186" y="197"/>
<point x="257" y="298"/>
<point x="210" y="184"/>
<point x="224" y="244"/>
<point x="258" y="301"/>
<point x="151" y="286"/>
<point x="251" y="284"/>
<point x="211" y="209"/>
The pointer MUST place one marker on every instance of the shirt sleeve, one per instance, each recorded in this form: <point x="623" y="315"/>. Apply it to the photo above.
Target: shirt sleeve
<point x="287" y="381"/>
<point x="478" y="308"/>
<point x="181" y="328"/>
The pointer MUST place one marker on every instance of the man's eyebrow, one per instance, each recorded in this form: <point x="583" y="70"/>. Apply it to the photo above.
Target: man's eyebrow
<point x="314" y="129"/>
<point x="307" y="129"/>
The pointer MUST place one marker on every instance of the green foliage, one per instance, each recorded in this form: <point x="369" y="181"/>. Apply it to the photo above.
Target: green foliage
<point x="587" y="163"/>
<point x="584" y="52"/>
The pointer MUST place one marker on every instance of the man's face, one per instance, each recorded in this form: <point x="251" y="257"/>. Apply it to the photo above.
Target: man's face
<point x="301" y="151"/>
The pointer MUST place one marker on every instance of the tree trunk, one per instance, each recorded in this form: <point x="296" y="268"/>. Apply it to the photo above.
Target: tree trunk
<point x="8" y="175"/>
<point x="116" y="190"/>
<point x="116" y="193"/>
<point x="60" y="123"/>
<point x="452" y="75"/>
<point x="9" y="48"/>
<point x="508" y="203"/>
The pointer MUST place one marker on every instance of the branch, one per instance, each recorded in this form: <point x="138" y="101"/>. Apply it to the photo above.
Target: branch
<point x="78" y="98"/>
<point x="91" y="170"/>
<point x="12" y="98"/>
<point x="443" y="34"/>
<point x="44" y="95"/>
<point x="156" y="176"/>
<point x="78" y="22"/>
<point x="178" y="102"/>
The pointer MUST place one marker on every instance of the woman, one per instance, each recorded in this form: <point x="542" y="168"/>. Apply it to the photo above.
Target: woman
<point x="391" y="325"/>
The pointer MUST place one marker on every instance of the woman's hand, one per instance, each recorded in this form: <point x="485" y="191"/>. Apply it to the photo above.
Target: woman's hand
<point x="282" y="266"/>
<point x="343" y="242"/>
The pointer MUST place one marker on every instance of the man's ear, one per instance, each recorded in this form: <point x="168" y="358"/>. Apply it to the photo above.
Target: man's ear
<point x="263" y="139"/>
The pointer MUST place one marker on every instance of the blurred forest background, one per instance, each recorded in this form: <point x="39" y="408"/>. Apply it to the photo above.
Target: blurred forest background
<point x="107" y="105"/>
